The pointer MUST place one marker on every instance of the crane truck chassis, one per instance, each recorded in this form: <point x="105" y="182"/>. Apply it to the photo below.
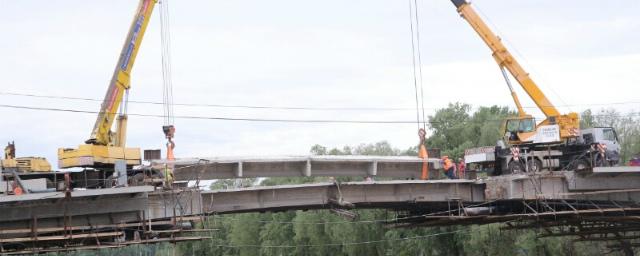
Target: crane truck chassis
<point x="596" y="147"/>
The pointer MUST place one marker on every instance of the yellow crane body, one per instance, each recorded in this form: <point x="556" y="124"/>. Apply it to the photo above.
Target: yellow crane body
<point x="89" y="155"/>
<point x="105" y="147"/>
<point x="27" y="164"/>
<point x="568" y="123"/>
<point x="23" y="164"/>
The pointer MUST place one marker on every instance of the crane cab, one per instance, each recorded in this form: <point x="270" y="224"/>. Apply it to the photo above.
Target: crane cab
<point x="518" y="130"/>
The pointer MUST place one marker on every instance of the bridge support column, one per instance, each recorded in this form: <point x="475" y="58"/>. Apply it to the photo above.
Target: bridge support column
<point x="307" y="169"/>
<point x="238" y="170"/>
<point x="373" y="169"/>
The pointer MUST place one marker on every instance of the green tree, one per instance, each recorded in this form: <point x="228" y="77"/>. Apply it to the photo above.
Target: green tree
<point x="447" y="126"/>
<point x="308" y="234"/>
<point x="277" y="232"/>
<point x="232" y="183"/>
<point x="245" y="234"/>
<point x="586" y="119"/>
<point x="455" y="129"/>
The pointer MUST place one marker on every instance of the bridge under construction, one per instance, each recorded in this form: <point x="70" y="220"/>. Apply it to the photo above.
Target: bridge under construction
<point x="600" y="204"/>
<point x="551" y="173"/>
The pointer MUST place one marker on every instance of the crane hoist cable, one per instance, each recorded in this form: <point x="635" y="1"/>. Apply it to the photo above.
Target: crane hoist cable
<point x="417" y="80"/>
<point x="419" y="54"/>
<point x="165" y="39"/>
<point x="417" y="63"/>
<point x="413" y="62"/>
<point x="167" y="82"/>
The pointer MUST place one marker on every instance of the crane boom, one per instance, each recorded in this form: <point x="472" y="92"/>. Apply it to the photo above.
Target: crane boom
<point x="120" y="81"/>
<point x="504" y="58"/>
<point x="568" y="124"/>
<point x="106" y="148"/>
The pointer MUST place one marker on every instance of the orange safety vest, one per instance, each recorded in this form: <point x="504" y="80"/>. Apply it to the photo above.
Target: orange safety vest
<point x="17" y="191"/>
<point x="425" y="165"/>
<point x="447" y="164"/>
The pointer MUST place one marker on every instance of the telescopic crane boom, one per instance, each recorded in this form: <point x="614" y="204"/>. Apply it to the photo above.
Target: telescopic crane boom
<point x="522" y="125"/>
<point x="104" y="147"/>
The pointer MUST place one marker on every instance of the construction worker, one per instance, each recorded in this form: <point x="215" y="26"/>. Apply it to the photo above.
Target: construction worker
<point x="448" y="167"/>
<point x="461" y="168"/>
<point x="17" y="190"/>
<point x="422" y="153"/>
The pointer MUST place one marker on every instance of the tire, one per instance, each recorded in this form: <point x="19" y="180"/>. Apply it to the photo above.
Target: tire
<point x="535" y="165"/>
<point x="515" y="167"/>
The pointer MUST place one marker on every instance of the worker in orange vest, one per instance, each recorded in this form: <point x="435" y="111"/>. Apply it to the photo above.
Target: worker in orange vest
<point x="448" y="167"/>
<point x="461" y="168"/>
<point x="422" y="153"/>
<point x="17" y="190"/>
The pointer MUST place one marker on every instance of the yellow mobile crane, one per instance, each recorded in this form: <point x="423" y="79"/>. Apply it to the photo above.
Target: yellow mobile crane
<point x="555" y="143"/>
<point x="105" y="147"/>
<point x="22" y="164"/>
<point x="521" y="129"/>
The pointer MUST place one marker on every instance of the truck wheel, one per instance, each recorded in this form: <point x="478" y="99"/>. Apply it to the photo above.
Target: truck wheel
<point x="535" y="165"/>
<point x="515" y="167"/>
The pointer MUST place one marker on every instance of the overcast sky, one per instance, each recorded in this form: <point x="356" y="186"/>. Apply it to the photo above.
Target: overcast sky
<point x="301" y="53"/>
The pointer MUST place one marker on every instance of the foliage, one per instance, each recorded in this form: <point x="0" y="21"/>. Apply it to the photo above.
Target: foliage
<point x="381" y="148"/>
<point x="232" y="183"/>
<point x="455" y="129"/>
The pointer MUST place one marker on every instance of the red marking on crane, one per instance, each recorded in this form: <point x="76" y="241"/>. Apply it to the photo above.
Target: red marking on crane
<point x="112" y="100"/>
<point x="145" y="5"/>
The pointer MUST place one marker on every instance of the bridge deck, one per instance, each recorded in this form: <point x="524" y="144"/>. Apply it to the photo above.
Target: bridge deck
<point x="382" y="194"/>
<point x="401" y="167"/>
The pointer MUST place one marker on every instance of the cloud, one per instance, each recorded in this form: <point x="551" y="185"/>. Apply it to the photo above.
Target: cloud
<point x="291" y="53"/>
